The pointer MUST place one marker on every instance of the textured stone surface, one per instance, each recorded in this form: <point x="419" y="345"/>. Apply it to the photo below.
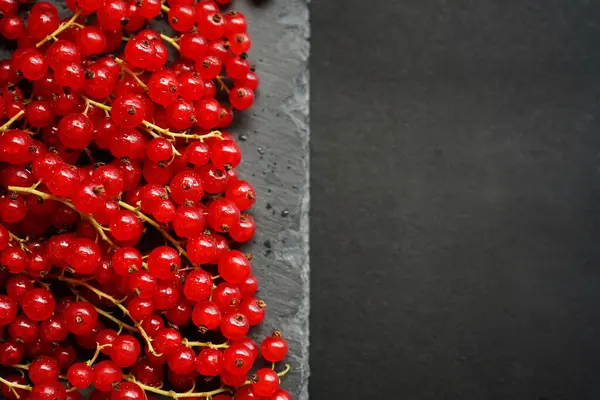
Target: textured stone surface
<point x="274" y="138"/>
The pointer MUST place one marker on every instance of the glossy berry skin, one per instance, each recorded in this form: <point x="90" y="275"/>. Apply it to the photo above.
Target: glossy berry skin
<point x="202" y="248"/>
<point x="49" y="391"/>
<point x="163" y="261"/>
<point x="206" y="316"/>
<point x="143" y="284"/>
<point x="186" y="186"/>
<point x="43" y="370"/>
<point x="125" y="351"/>
<point x="126" y="260"/>
<point x="182" y="17"/>
<point x="148" y="373"/>
<point x="91" y="40"/>
<point x="241" y="98"/>
<point x="140" y="309"/>
<point x="237" y="359"/>
<point x="234" y="326"/>
<point x="38" y="304"/>
<point x="244" y="230"/>
<point x="80" y="375"/>
<point x="85" y="256"/>
<point x="163" y="87"/>
<point x="209" y="362"/>
<point x="265" y="382"/>
<point x="81" y="318"/>
<point x="223" y="214"/>
<point x="75" y="131"/>
<point x="23" y="330"/>
<point x="53" y="329"/>
<point x="198" y="285"/>
<point x="274" y="348"/>
<point x="33" y="65"/>
<point x="189" y="222"/>
<point x="183" y="361"/>
<point x="107" y="375"/>
<point x="125" y="226"/>
<point x="128" y="111"/>
<point x="159" y="149"/>
<point x="242" y="194"/>
<point x="234" y="267"/>
<point x="167" y="295"/>
<point x="167" y="341"/>
<point x="11" y="353"/>
<point x="128" y="391"/>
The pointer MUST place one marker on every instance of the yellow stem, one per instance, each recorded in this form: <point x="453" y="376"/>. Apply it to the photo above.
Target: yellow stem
<point x="133" y="74"/>
<point x="165" y="8"/>
<point x="47" y="196"/>
<point x="172" y="394"/>
<point x="223" y="85"/>
<point x="155" y="224"/>
<point x="14" y="385"/>
<point x="170" y="40"/>
<point x="116" y="302"/>
<point x="10" y="121"/>
<point x="97" y="353"/>
<point x="58" y="31"/>
<point x="205" y="344"/>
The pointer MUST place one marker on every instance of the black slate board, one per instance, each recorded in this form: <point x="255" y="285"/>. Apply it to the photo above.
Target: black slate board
<point x="455" y="199"/>
<point x="273" y="136"/>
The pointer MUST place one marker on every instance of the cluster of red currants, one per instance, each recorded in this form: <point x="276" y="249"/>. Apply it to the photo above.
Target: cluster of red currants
<point x="121" y="210"/>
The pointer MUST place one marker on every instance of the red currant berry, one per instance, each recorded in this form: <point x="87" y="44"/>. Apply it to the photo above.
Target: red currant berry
<point x="128" y="391"/>
<point x="237" y="359"/>
<point x="140" y="309"/>
<point x="54" y="329"/>
<point x="23" y="330"/>
<point x="163" y="87"/>
<point x="214" y="180"/>
<point x="244" y="231"/>
<point x="126" y="260"/>
<point x="183" y="361"/>
<point x="107" y="376"/>
<point x="43" y="370"/>
<point x="206" y="316"/>
<point x="234" y="326"/>
<point x="128" y="111"/>
<point x="125" y="351"/>
<point x="167" y="341"/>
<point x="198" y="285"/>
<point x="159" y="149"/>
<point x="167" y="296"/>
<point x="182" y="17"/>
<point x="38" y="304"/>
<point x="49" y="391"/>
<point x="202" y="249"/>
<point x="76" y="131"/>
<point x="265" y="382"/>
<point x="80" y="375"/>
<point x="223" y="214"/>
<point x="113" y="14"/>
<point x="274" y="348"/>
<point x="62" y="52"/>
<point x="254" y="310"/>
<point x="126" y="227"/>
<point x="163" y="261"/>
<point x="241" y="98"/>
<point x="81" y="318"/>
<point x="11" y="353"/>
<point x="234" y="267"/>
<point x="209" y="362"/>
<point x="85" y="256"/>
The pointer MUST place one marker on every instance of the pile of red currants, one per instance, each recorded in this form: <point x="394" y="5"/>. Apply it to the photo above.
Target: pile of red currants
<point x="121" y="211"/>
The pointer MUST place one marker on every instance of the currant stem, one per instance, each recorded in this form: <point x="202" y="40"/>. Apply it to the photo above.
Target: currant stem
<point x="59" y="30"/>
<point x="97" y="353"/>
<point x="133" y="74"/>
<point x="10" y="121"/>
<point x="170" y="40"/>
<point x="20" y="241"/>
<point x="223" y="85"/>
<point x="47" y="196"/>
<point x="165" y="8"/>
<point x="155" y="224"/>
<point x="116" y="302"/>
<point x="205" y="344"/>
<point x="172" y="394"/>
<point x="14" y="386"/>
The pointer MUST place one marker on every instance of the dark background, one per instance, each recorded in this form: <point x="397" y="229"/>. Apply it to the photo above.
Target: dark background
<point x="455" y="199"/>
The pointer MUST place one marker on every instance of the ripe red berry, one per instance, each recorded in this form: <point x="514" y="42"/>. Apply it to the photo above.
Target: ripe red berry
<point x="265" y="382"/>
<point x="202" y="249"/>
<point x="126" y="260"/>
<point x="234" y="326"/>
<point x="76" y="131"/>
<point x="163" y="87"/>
<point x="234" y="267"/>
<point x="223" y="214"/>
<point x="241" y="98"/>
<point x="81" y="318"/>
<point x="209" y="362"/>
<point x="167" y="295"/>
<point x="107" y="376"/>
<point x="43" y="370"/>
<point x="128" y="391"/>
<point x="254" y="310"/>
<point x="183" y="361"/>
<point x="49" y="391"/>
<point x="163" y="261"/>
<point x="37" y="304"/>
<point x="23" y="330"/>
<point x="125" y="226"/>
<point x="125" y="351"/>
<point x="274" y="348"/>
<point x="237" y="359"/>
<point x="206" y="316"/>
<point x="167" y="341"/>
<point x="128" y="111"/>
<point x="198" y="285"/>
<point x="80" y="375"/>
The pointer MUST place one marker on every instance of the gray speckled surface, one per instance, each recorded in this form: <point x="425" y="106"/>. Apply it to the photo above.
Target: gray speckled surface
<point x="275" y="143"/>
